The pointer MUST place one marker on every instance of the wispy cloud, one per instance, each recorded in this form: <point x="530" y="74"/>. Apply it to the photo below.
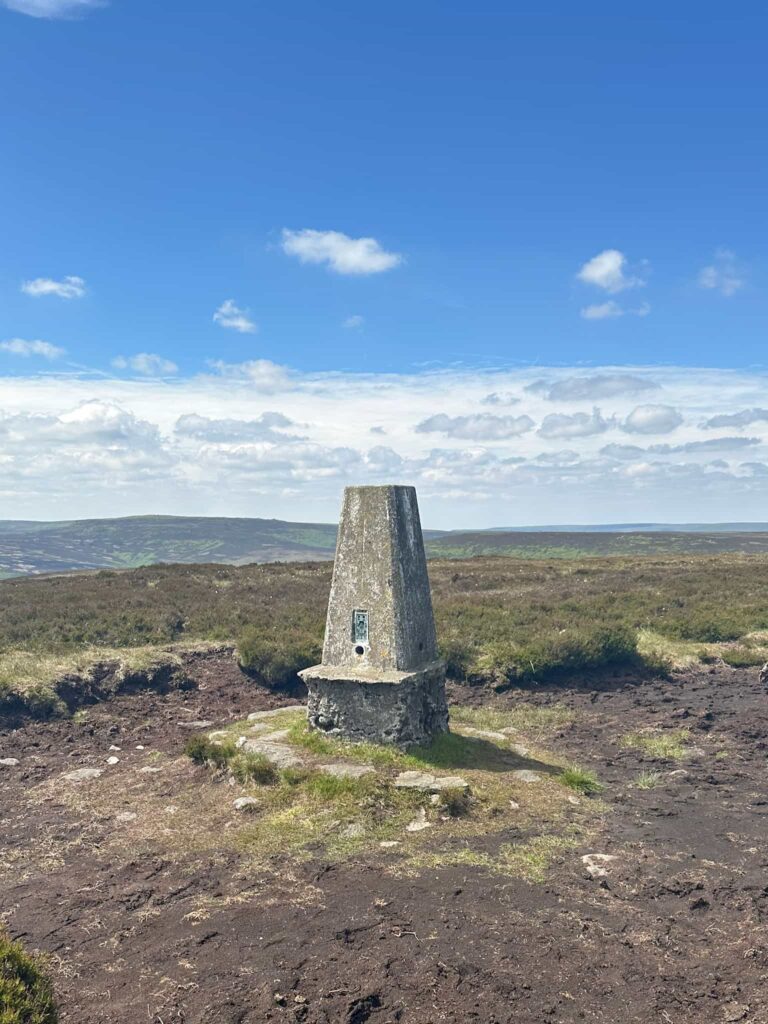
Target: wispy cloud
<point x="339" y="252"/>
<point x="261" y="373"/>
<point x="20" y="347"/>
<point x="611" y="309"/>
<point x="608" y="270"/>
<point x="148" y="364"/>
<point x="736" y="419"/>
<point x="599" y="385"/>
<point x="722" y="275"/>
<point x="67" y="288"/>
<point x="231" y="316"/>
<point x="353" y="322"/>
<point x="52" y="8"/>
<point x="481" y="427"/>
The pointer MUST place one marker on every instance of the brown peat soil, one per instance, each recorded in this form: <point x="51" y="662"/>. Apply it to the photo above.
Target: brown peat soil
<point x="150" y="908"/>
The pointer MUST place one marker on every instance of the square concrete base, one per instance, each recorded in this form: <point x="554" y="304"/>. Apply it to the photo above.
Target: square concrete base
<point x="396" y="708"/>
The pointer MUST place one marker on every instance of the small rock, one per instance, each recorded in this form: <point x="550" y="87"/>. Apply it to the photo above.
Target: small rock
<point x="280" y="754"/>
<point x="139" y="747"/>
<point x="83" y="774"/>
<point x="387" y="844"/>
<point x="735" y="1011"/>
<point x="113" y="760"/>
<point x="595" y="863"/>
<point x="419" y="823"/>
<point x="200" y="724"/>
<point x="514" y="805"/>
<point x="149" y="770"/>
<point x="347" y="771"/>
<point x="573" y="800"/>
<point x="245" y="803"/>
<point x="429" y="783"/>
<point x="526" y="775"/>
<point x="113" y="747"/>
<point x="125" y="816"/>
<point x="8" y="762"/>
<point x="240" y="741"/>
<point x="171" y="809"/>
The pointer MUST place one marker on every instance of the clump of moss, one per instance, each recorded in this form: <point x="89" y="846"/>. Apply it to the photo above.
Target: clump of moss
<point x="26" y="994"/>
<point x="204" y="751"/>
<point x="251" y="767"/>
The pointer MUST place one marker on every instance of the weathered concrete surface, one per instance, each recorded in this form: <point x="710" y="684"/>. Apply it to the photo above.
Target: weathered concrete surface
<point x="380" y="677"/>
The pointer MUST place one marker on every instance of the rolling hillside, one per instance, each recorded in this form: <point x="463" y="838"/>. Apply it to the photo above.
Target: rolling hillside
<point x="28" y="548"/>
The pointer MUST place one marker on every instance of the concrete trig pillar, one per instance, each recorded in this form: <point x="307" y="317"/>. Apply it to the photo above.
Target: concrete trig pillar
<point x="380" y="678"/>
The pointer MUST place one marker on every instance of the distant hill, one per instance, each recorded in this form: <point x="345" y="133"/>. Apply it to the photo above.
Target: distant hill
<point x="638" y="528"/>
<point x="30" y="547"/>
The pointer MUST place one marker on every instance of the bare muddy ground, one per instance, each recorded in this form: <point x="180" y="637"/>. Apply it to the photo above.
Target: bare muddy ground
<point x="156" y="925"/>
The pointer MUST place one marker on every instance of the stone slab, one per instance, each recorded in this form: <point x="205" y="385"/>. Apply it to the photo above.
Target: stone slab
<point x="428" y="783"/>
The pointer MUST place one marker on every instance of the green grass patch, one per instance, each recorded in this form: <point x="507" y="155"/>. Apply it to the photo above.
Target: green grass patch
<point x="668" y="745"/>
<point x="648" y="780"/>
<point x="580" y="781"/>
<point x="26" y="994"/>
<point x="531" y="720"/>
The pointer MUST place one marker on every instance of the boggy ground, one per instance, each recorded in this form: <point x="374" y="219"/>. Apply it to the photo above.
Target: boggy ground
<point x="159" y="924"/>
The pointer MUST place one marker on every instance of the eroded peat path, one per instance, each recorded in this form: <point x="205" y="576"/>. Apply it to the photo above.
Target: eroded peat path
<point x="162" y="925"/>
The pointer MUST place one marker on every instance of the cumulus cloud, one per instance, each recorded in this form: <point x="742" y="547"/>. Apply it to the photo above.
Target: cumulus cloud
<point x="352" y="322"/>
<point x="67" y="288"/>
<point x="578" y="424"/>
<point x="267" y="427"/>
<point x="592" y="388"/>
<point x="736" y="419"/>
<point x="21" y="347"/>
<point x="339" y="252"/>
<point x="480" y="427"/>
<point x="261" y="373"/>
<point x="722" y="275"/>
<point x="652" y="419"/>
<point x="52" y="8"/>
<point x="230" y="315"/>
<point x="148" y="364"/>
<point x="500" y="398"/>
<point x="608" y="270"/>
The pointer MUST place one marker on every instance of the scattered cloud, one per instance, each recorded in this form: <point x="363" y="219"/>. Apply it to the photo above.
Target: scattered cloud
<point x="590" y="389"/>
<point x="339" y="252"/>
<point x="714" y="444"/>
<point x="353" y="321"/>
<point x="261" y="373"/>
<point x="481" y="427"/>
<point x="607" y="270"/>
<point x="736" y="419"/>
<point x="267" y="427"/>
<point x="602" y="311"/>
<point x="20" y="347"/>
<point x="52" y="8"/>
<point x="500" y="398"/>
<point x="652" y="419"/>
<point x="578" y="424"/>
<point x="722" y="275"/>
<point x="67" y="288"/>
<point x="231" y="316"/>
<point x="146" y="363"/>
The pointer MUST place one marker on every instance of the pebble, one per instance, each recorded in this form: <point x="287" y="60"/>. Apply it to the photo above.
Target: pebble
<point x="113" y="760"/>
<point x="113" y="747"/>
<point x="387" y="844"/>
<point x="83" y="774"/>
<point x="595" y="863"/>
<point x="245" y="803"/>
<point x="573" y="800"/>
<point x="514" y="805"/>
<point x="139" y="747"/>
<point x="419" y="823"/>
<point x="8" y="762"/>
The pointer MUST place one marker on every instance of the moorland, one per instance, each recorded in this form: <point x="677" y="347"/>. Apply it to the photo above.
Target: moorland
<point x="605" y="861"/>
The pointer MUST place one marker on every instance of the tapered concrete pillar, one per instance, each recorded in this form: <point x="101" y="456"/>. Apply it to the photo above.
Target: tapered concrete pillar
<point x="380" y="678"/>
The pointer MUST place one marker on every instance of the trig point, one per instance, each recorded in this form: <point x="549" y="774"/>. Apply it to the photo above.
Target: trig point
<point x="380" y="678"/>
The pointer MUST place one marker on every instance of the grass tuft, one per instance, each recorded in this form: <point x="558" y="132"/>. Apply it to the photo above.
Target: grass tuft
<point x="648" y="780"/>
<point x="580" y="780"/>
<point x="26" y="994"/>
<point x="668" y="745"/>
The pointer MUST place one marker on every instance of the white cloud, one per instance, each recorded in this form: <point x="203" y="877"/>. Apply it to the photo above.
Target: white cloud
<point x="578" y="424"/>
<point x="607" y="270"/>
<point x="602" y="311"/>
<point x="20" y="347"/>
<point x="652" y="419"/>
<point x="261" y="373"/>
<point x="354" y="321"/>
<point x="498" y="398"/>
<point x="481" y="427"/>
<point x="67" y="288"/>
<point x="600" y="385"/>
<point x="736" y="419"/>
<point x="230" y="315"/>
<point x="146" y="363"/>
<point x="256" y="439"/>
<point x="52" y="8"/>
<point x="722" y="275"/>
<point x="339" y="252"/>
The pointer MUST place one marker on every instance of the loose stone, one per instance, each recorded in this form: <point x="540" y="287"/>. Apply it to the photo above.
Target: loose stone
<point x="525" y="775"/>
<point x="83" y="774"/>
<point x="245" y="803"/>
<point x="8" y="762"/>
<point x="201" y="724"/>
<point x="113" y="760"/>
<point x="429" y="783"/>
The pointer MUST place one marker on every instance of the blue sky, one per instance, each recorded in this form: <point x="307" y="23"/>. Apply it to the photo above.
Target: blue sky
<point x="188" y="190"/>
